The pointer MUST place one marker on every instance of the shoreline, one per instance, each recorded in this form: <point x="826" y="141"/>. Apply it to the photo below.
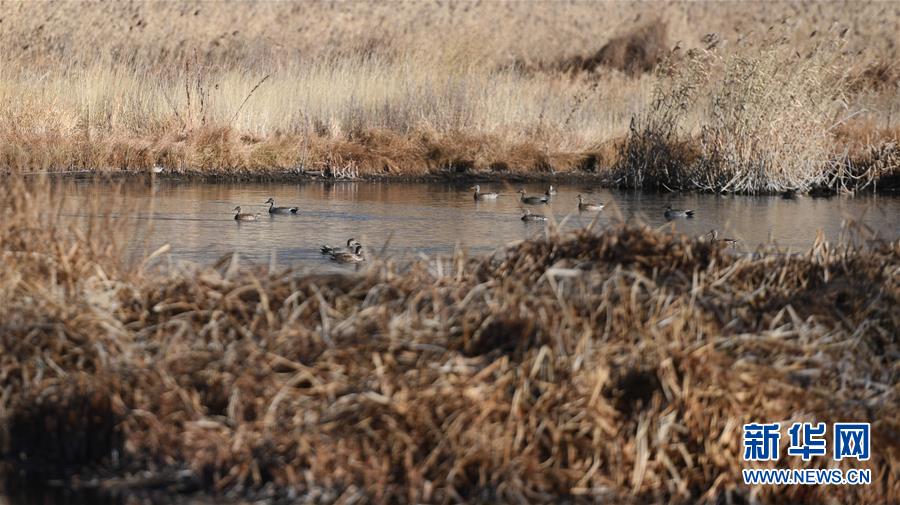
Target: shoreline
<point x="891" y="188"/>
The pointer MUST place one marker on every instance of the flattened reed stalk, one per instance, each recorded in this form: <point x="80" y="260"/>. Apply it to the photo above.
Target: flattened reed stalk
<point x="582" y="367"/>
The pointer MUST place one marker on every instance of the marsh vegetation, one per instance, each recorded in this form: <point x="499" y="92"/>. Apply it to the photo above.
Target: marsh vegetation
<point x="732" y="97"/>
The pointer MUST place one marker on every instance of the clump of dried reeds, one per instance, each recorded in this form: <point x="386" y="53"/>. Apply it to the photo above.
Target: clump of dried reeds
<point x="658" y="152"/>
<point x="768" y="130"/>
<point x="766" y="116"/>
<point x="869" y="153"/>
<point x="614" y="366"/>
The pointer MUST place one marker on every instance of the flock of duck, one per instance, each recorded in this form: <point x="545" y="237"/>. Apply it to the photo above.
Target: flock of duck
<point x="352" y="252"/>
<point x="583" y="206"/>
<point x="544" y="199"/>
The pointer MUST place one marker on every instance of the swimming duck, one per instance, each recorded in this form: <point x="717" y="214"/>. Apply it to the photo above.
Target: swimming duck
<point x="244" y="217"/>
<point x="327" y="249"/>
<point x="483" y="196"/>
<point x="279" y="210"/>
<point x="673" y="213"/>
<point x="714" y="236"/>
<point x="528" y="216"/>
<point x="588" y="207"/>
<point x="534" y="200"/>
<point x="349" y="257"/>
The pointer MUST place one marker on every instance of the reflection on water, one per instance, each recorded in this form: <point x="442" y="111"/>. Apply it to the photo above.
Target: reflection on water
<point x="405" y="219"/>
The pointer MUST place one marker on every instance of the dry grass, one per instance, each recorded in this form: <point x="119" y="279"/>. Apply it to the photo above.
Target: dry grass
<point x="766" y="119"/>
<point x="279" y="88"/>
<point x="616" y="366"/>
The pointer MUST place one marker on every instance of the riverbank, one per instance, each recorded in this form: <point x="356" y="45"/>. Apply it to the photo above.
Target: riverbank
<point x="873" y="167"/>
<point x="770" y="98"/>
<point x="614" y="365"/>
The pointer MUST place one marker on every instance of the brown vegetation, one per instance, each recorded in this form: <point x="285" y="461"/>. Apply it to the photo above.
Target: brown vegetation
<point x="616" y="366"/>
<point x="280" y="88"/>
<point x="877" y="76"/>
<point x="635" y="52"/>
<point x="770" y="125"/>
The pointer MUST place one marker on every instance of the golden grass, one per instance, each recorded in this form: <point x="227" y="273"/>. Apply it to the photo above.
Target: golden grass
<point x="410" y="89"/>
<point x="615" y="366"/>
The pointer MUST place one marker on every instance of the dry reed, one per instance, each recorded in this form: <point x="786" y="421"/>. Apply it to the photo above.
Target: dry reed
<point x="463" y="88"/>
<point x="767" y="123"/>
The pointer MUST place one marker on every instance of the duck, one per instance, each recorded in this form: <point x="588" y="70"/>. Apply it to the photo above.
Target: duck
<point x="673" y="213"/>
<point x="244" y="217"/>
<point x="589" y="207"/>
<point x="528" y="216"/>
<point x="483" y="196"/>
<point x="714" y="236"/>
<point x="551" y="190"/>
<point x="279" y="210"/>
<point x="534" y="200"/>
<point x="327" y="249"/>
<point x="354" y="256"/>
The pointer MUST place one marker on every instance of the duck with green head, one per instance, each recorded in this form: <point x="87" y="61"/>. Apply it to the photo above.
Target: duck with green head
<point x="351" y="242"/>
<point x="279" y="210"/>
<point x="673" y="213"/>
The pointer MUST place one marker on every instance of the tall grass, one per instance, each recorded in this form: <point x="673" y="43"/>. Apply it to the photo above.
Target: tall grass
<point x="770" y="118"/>
<point x="487" y="88"/>
<point x="763" y="119"/>
<point x="108" y="115"/>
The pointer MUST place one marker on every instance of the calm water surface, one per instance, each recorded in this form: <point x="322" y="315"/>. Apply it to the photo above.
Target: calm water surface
<point x="408" y="219"/>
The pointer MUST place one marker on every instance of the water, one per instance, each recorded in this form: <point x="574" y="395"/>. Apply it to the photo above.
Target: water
<point x="408" y="219"/>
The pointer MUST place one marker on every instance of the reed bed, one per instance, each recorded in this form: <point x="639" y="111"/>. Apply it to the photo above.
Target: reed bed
<point x="614" y="365"/>
<point x="487" y="89"/>
<point x="768" y="126"/>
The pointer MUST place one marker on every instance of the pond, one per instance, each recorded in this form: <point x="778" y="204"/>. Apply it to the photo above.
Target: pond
<point x="404" y="220"/>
